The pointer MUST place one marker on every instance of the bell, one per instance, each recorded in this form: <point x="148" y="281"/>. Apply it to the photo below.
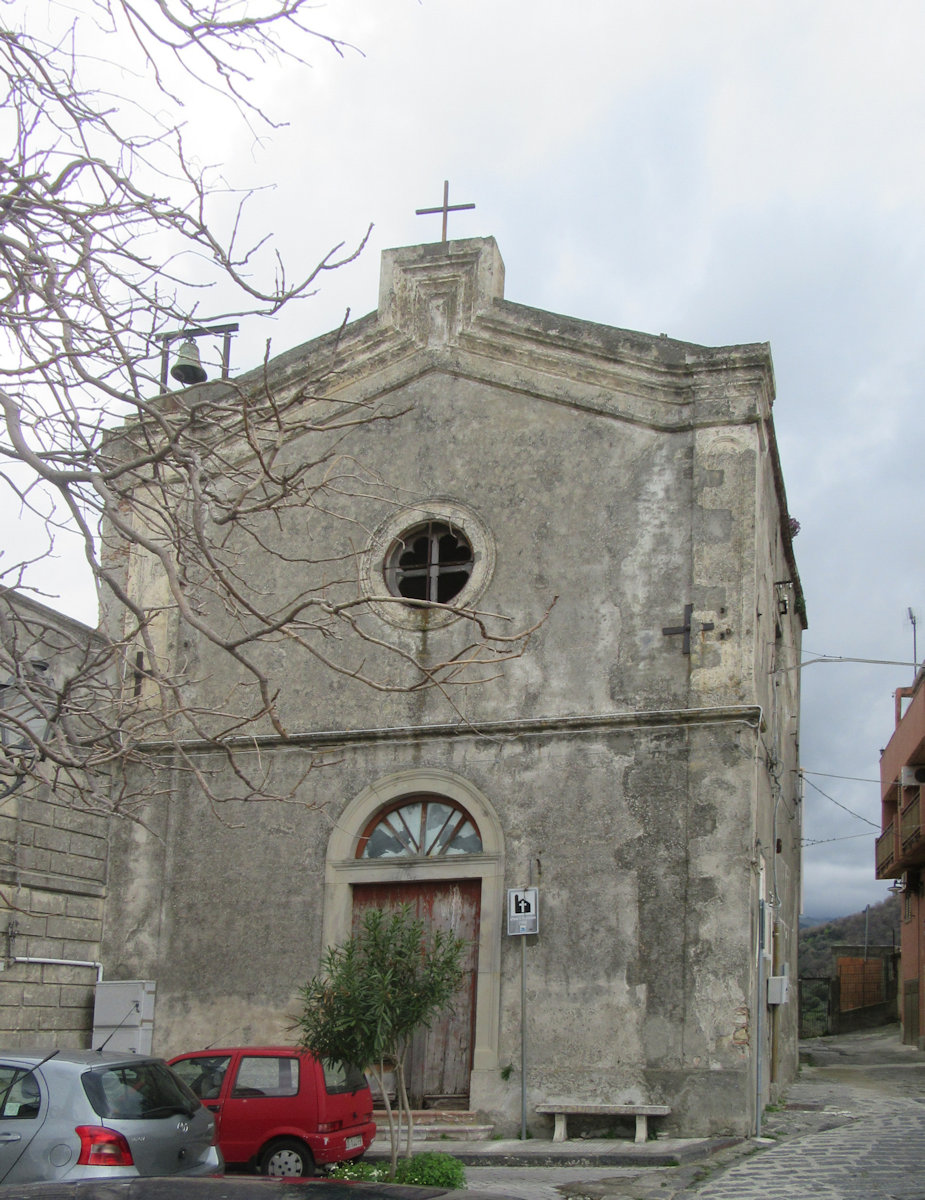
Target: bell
<point x="188" y="369"/>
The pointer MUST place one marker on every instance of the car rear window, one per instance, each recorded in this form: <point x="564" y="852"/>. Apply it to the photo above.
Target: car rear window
<point x="204" y="1074"/>
<point x="340" y="1078"/>
<point x="141" y="1091"/>
<point x="267" y="1075"/>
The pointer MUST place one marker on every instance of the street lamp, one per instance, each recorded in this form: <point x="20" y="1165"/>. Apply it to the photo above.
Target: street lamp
<point x="24" y="725"/>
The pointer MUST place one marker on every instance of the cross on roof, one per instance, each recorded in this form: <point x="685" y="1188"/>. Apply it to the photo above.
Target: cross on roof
<point x="444" y="208"/>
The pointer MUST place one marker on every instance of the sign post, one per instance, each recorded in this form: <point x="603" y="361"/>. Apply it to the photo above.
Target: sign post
<point x="523" y="918"/>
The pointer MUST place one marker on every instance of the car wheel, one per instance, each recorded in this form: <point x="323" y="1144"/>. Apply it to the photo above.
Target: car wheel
<point x="287" y="1157"/>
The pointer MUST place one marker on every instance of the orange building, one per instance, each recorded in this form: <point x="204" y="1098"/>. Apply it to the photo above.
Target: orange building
<point x="901" y="846"/>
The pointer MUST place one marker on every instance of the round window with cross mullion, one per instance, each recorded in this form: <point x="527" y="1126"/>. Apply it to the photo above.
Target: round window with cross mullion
<point x="431" y="562"/>
<point x="425" y="565"/>
<point x="420" y="827"/>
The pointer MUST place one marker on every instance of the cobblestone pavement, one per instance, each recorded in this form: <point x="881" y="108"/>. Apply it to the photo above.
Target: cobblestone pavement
<point x="853" y="1128"/>
<point x="880" y="1158"/>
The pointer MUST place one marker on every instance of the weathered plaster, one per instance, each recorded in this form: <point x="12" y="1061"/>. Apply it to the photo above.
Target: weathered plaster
<point x="623" y="476"/>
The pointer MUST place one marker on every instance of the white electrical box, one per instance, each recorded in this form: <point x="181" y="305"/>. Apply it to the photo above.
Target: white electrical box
<point x="123" y="1015"/>
<point x="778" y="989"/>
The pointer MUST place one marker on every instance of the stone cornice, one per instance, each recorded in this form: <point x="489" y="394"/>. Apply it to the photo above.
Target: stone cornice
<point x="744" y="714"/>
<point x="642" y="379"/>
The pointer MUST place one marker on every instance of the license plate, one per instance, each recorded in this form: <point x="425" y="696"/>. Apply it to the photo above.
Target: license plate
<point x="354" y="1143"/>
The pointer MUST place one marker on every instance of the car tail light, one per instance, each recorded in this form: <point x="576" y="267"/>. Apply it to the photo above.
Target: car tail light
<point x="101" y="1147"/>
<point x="330" y="1126"/>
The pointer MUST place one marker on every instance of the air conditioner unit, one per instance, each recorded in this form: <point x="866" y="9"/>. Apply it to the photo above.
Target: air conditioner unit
<point x="913" y="776"/>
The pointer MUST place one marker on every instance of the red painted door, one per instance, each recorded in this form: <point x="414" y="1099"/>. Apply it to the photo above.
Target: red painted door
<point x="440" y="1058"/>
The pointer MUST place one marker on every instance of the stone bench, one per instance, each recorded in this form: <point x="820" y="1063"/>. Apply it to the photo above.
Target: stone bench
<point x="563" y="1109"/>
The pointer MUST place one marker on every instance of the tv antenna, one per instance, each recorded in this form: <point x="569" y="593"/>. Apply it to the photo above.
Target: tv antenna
<point x="913" y="621"/>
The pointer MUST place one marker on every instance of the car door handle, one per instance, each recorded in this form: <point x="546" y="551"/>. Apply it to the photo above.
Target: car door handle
<point x="214" y="1107"/>
<point x="9" y="1136"/>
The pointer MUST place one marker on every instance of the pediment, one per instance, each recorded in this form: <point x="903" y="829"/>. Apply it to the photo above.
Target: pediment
<point x="442" y="313"/>
<point x="442" y="310"/>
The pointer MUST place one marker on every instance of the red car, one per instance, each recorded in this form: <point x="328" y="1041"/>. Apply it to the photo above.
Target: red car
<point x="279" y="1109"/>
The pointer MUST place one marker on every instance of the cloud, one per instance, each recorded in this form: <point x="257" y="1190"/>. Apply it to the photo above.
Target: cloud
<point x="719" y="171"/>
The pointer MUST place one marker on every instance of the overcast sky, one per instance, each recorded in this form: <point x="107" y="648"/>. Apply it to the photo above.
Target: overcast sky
<point x="722" y="172"/>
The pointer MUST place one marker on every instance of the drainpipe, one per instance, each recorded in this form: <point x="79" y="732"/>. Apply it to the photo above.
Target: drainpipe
<point x="12" y="934"/>
<point x="56" y="962"/>
<point x="774" y="1016"/>
<point x="759" y="1024"/>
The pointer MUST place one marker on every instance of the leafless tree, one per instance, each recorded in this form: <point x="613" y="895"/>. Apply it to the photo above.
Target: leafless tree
<point x="103" y="220"/>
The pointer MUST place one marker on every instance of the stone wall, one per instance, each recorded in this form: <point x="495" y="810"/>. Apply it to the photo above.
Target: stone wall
<point x="53" y="860"/>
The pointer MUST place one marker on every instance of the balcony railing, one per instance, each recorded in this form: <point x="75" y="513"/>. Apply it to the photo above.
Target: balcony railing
<point x="902" y="844"/>
<point x="910" y="828"/>
<point x="886" y="850"/>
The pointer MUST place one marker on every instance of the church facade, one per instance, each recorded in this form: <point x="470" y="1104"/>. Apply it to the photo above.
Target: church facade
<point x="636" y="764"/>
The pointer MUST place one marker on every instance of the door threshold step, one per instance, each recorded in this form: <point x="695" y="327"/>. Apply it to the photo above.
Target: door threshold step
<point x="438" y="1133"/>
<point x="434" y="1125"/>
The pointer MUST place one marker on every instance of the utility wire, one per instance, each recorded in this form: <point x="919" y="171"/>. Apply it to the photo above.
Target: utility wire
<point x="821" y="841"/>
<point x="826" y="775"/>
<point x="850" y="812"/>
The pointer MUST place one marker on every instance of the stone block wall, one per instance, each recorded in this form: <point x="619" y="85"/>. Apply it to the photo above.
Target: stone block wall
<point x="53" y="857"/>
<point x="52" y="876"/>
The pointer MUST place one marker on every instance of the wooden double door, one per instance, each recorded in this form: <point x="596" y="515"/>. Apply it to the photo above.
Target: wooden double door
<point x="439" y="1060"/>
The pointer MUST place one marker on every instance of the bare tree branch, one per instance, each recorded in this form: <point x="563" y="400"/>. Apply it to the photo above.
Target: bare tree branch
<point x="110" y="235"/>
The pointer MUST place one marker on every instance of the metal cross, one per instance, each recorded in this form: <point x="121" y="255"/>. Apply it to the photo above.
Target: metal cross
<point x="685" y="629"/>
<point x="444" y="208"/>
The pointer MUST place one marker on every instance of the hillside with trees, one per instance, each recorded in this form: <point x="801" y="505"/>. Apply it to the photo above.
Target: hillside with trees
<point x="881" y="923"/>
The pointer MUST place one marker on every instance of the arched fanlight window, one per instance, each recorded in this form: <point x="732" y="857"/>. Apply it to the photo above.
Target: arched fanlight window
<point x="420" y="826"/>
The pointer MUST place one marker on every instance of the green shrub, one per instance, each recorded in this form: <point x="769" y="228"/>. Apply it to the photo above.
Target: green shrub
<point x="431" y="1169"/>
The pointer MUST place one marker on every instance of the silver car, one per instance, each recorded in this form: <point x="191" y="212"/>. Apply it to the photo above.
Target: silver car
<point x="86" y="1114"/>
